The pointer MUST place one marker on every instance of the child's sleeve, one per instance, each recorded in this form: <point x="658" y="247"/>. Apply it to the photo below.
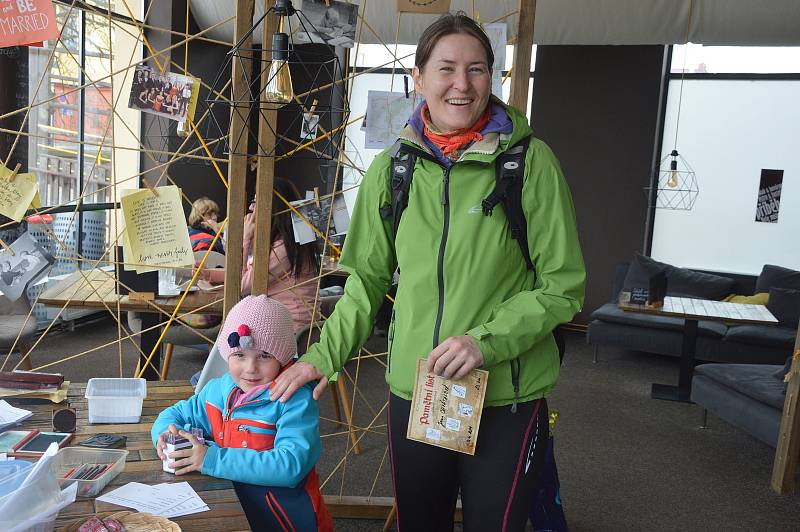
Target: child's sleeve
<point x="191" y="411"/>
<point x="297" y="449"/>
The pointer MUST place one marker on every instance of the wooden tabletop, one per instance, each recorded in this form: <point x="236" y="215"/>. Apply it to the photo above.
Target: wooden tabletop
<point x="704" y="309"/>
<point x="97" y="289"/>
<point x="142" y="463"/>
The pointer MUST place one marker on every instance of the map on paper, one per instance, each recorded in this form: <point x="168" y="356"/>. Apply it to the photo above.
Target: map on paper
<point x="387" y="114"/>
<point x="498" y="37"/>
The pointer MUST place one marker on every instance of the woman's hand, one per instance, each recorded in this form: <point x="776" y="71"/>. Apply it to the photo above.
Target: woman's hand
<point x="455" y="357"/>
<point x="211" y="223"/>
<point x="187" y="460"/>
<point x="293" y="378"/>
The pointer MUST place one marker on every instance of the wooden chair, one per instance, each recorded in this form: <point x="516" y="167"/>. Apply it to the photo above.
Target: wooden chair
<point x="16" y="316"/>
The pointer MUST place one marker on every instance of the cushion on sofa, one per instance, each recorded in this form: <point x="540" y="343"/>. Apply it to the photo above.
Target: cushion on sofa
<point x="754" y="380"/>
<point x="761" y="335"/>
<point x="610" y="312"/>
<point x="784" y="303"/>
<point x="778" y="277"/>
<point x="761" y="298"/>
<point x="680" y="281"/>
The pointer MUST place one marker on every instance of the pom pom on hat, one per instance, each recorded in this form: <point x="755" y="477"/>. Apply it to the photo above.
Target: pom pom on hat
<point x="258" y="322"/>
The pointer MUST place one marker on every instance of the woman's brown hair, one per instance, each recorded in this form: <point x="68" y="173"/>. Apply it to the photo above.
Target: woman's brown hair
<point x="448" y="24"/>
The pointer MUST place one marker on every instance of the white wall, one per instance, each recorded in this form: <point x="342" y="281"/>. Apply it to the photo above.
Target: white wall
<point x="729" y="131"/>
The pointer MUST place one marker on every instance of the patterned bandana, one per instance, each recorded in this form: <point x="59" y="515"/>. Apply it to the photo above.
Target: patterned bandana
<point x="454" y="141"/>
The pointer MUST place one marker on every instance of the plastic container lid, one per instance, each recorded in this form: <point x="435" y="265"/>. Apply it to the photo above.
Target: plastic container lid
<point x="9" y="477"/>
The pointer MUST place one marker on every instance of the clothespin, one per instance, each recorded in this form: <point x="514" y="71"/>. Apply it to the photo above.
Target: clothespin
<point x="328" y="3"/>
<point x="148" y="185"/>
<point x="253" y="162"/>
<point x="14" y="173"/>
<point x="477" y="16"/>
<point x="794" y="368"/>
<point x="310" y="112"/>
<point x="5" y="247"/>
<point x="316" y="196"/>
<point x="405" y="85"/>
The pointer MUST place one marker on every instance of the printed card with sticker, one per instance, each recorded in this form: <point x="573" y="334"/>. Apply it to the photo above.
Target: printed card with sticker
<point x="447" y="413"/>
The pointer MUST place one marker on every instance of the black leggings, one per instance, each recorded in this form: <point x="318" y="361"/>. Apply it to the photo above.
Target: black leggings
<point x="497" y="483"/>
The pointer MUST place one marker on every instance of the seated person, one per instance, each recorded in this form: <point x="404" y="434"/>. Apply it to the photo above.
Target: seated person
<point x="292" y="267"/>
<point x="268" y="449"/>
<point x="203" y="225"/>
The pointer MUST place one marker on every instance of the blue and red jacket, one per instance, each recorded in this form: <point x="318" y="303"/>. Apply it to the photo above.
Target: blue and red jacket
<point x="202" y="237"/>
<point x="268" y="449"/>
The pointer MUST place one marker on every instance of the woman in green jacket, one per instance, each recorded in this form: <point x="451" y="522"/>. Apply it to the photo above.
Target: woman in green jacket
<point x="466" y="298"/>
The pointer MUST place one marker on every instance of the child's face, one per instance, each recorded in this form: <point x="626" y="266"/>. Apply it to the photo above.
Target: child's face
<point x="251" y="368"/>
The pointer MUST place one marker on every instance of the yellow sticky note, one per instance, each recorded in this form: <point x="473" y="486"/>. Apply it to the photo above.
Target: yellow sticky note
<point x="155" y="229"/>
<point x="17" y="195"/>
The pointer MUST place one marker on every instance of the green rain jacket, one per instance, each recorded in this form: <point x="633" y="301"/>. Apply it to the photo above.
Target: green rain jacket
<point x="461" y="272"/>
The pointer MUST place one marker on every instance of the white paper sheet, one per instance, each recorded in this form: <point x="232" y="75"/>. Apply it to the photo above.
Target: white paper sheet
<point x="167" y="500"/>
<point x="11" y="415"/>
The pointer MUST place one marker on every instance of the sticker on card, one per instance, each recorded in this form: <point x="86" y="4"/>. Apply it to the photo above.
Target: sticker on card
<point x="464" y="409"/>
<point x="433" y="434"/>
<point x="459" y="391"/>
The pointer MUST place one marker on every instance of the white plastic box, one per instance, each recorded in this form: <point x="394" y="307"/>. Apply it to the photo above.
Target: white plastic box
<point x="69" y="458"/>
<point x="115" y="400"/>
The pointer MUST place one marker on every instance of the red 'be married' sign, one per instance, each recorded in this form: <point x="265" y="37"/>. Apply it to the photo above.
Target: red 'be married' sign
<point x="26" y="22"/>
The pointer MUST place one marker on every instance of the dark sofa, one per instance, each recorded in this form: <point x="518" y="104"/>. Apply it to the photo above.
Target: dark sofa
<point x="716" y="342"/>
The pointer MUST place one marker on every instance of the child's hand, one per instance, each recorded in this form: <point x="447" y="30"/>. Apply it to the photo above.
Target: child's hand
<point x="161" y="444"/>
<point x="188" y="460"/>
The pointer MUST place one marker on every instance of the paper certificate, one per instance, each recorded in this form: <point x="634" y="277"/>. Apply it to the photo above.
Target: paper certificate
<point x="156" y="229"/>
<point x="447" y="413"/>
<point x="16" y="196"/>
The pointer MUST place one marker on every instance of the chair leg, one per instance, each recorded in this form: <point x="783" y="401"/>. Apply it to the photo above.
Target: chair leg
<point x="594" y="355"/>
<point x="387" y="525"/>
<point x="167" y="359"/>
<point x="26" y="359"/>
<point x="348" y="412"/>
<point x="337" y="411"/>
<point x="704" y="420"/>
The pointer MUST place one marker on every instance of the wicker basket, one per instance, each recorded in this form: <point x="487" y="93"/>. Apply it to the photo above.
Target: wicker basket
<point x="132" y="521"/>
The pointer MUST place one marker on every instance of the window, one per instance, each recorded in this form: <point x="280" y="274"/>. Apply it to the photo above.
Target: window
<point x="80" y="127"/>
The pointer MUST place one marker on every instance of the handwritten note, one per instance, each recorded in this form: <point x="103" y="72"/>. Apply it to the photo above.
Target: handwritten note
<point x="447" y="413"/>
<point x="27" y="22"/>
<point x="156" y="229"/>
<point x="17" y="195"/>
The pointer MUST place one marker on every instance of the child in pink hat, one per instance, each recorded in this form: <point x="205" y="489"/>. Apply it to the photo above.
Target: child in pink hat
<point x="268" y="449"/>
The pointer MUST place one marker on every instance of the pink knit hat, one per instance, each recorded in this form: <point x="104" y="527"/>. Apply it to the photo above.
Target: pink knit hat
<point x="258" y="322"/>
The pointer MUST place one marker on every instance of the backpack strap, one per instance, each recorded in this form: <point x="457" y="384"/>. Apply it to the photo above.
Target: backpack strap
<point x="509" y="178"/>
<point x="402" y="172"/>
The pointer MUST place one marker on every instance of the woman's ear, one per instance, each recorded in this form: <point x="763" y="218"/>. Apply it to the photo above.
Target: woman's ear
<point x="417" y="76"/>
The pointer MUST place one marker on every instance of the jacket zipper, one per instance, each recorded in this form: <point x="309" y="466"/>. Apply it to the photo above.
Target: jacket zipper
<point x="440" y="263"/>
<point x="391" y="343"/>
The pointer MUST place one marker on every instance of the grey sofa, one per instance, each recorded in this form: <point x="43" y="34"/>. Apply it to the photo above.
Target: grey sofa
<point x="716" y="342"/>
<point x="748" y="396"/>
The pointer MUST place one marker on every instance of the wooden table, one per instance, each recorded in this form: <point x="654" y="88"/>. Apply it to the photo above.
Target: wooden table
<point x="142" y="463"/>
<point x="97" y="289"/>
<point x="692" y="310"/>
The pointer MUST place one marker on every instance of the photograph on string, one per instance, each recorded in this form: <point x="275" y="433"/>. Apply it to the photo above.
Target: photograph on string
<point x="167" y="94"/>
<point x="334" y="22"/>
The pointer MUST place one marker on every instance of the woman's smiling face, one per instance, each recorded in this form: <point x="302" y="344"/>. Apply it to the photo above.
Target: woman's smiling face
<point x="455" y="81"/>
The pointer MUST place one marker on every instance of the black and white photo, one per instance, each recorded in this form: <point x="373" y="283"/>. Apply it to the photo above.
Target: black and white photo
<point x="308" y="131"/>
<point x="768" y="203"/>
<point x="335" y="23"/>
<point x="26" y="265"/>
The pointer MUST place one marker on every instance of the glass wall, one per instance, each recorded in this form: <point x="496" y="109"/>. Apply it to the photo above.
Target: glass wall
<point x="81" y="129"/>
<point x="738" y="116"/>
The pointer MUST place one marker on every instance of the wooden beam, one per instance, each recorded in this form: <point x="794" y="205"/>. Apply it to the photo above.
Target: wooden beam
<point x="237" y="161"/>
<point x="265" y="172"/>
<point x="788" y="451"/>
<point x="521" y="67"/>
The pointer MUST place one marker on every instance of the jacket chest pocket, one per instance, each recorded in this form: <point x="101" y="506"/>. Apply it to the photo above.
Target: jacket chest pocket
<point x="246" y="435"/>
